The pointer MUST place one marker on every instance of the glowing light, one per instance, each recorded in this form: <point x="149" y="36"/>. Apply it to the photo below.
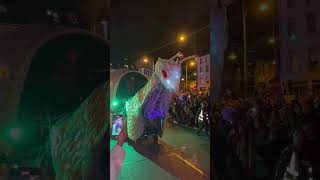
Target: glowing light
<point x="293" y="37"/>
<point x="272" y="40"/>
<point x="192" y="63"/>
<point x="15" y="133"/>
<point x="115" y="103"/>
<point x="145" y="60"/>
<point x="232" y="56"/>
<point x="182" y="38"/>
<point x="264" y="7"/>
<point x="182" y="79"/>
<point x="194" y="74"/>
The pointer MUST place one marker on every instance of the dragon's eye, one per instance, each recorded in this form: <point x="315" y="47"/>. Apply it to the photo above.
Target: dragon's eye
<point x="164" y="74"/>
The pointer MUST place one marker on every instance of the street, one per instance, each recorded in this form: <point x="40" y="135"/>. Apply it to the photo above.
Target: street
<point x="181" y="154"/>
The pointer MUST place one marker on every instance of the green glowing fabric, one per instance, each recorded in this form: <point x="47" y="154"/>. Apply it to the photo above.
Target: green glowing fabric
<point x="134" y="116"/>
<point x="74" y="138"/>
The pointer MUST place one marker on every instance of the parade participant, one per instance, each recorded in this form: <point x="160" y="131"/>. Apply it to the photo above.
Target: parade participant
<point x="204" y="115"/>
<point x="117" y="156"/>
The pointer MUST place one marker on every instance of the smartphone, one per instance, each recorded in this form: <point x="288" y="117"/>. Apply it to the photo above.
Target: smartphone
<point x="117" y="124"/>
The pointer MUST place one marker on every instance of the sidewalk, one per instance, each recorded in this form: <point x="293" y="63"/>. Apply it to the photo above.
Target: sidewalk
<point x="162" y="162"/>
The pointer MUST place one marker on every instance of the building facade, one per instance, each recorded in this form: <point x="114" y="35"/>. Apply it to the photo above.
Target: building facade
<point x="264" y="72"/>
<point x="203" y="72"/>
<point x="146" y="71"/>
<point x="299" y="35"/>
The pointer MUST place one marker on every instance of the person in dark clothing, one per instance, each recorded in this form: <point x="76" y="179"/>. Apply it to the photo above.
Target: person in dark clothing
<point x="220" y="134"/>
<point x="194" y="110"/>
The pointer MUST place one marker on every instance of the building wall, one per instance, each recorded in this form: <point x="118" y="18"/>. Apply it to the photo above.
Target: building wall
<point x="145" y="71"/>
<point x="299" y="51"/>
<point x="203" y="72"/>
<point x="264" y="72"/>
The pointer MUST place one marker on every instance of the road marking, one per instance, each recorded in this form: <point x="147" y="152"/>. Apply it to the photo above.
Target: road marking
<point x="190" y="164"/>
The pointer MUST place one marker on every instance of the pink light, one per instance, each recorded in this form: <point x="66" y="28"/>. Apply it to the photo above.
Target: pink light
<point x="25" y="173"/>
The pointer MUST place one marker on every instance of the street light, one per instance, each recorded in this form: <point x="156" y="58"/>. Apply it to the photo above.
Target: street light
<point x="192" y="63"/>
<point x="182" y="38"/>
<point x="145" y="60"/>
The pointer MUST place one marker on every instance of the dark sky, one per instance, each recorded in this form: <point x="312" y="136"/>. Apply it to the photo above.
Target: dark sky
<point x="90" y="11"/>
<point x="141" y="25"/>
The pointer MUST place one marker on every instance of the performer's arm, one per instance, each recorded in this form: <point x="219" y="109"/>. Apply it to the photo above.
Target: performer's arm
<point x="117" y="156"/>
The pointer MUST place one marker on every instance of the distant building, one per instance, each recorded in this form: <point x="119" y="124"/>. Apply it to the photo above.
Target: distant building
<point x="146" y="71"/>
<point x="203" y="72"/>
<point x="299" y="35"/>
<point x="264" y="72"/>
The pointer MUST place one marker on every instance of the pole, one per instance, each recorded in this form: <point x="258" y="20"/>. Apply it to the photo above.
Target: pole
<point x="277" y="39"/>
<point x="245" y="60"/>
<point x="186" y="76"/>
<point x="194" y="44"/>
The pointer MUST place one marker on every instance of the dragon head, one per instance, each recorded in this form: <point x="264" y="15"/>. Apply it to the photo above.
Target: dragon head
<point x="169" y="73"/>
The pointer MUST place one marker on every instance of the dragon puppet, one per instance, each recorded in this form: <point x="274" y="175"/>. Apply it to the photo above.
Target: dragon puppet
<point x="77" y="140"/>
<point x="152" y="101"/>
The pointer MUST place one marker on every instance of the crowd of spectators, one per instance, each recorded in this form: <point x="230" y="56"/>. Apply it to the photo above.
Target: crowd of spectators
<point x="185" y="110"/>
<point x="257" y="137"/>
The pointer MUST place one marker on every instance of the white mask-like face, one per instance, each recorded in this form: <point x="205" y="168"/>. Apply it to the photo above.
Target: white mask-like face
<point x="169" y="73"/>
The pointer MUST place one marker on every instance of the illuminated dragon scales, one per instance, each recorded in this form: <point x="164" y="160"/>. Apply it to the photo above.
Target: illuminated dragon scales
<point x="75" y="139"/>
<point x="152" y="101"/>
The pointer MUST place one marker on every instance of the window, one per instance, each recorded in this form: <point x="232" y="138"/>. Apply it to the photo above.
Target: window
<point x="291" y="3"/>
<point x="294" y="62"/>
<point x="200" y="69"/>
<point x="200" y="61"/>
<point x="311" y="22"/>
<point x="312" y="57"/>
<point x="291" y="26"/>
<point x="207" y="68"/>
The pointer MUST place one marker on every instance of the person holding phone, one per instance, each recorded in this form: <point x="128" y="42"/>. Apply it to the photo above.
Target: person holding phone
<point x="117" y="155"/>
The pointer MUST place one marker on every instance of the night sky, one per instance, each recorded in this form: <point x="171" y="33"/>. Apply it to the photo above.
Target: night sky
<point x="142" y="25"/>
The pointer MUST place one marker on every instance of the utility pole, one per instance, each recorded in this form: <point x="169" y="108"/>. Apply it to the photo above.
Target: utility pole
<point x="245" y="60"/>
<point x="186" y="77"/>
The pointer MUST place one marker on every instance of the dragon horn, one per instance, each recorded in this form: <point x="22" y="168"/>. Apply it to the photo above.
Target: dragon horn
<point x="174" y="57"/>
